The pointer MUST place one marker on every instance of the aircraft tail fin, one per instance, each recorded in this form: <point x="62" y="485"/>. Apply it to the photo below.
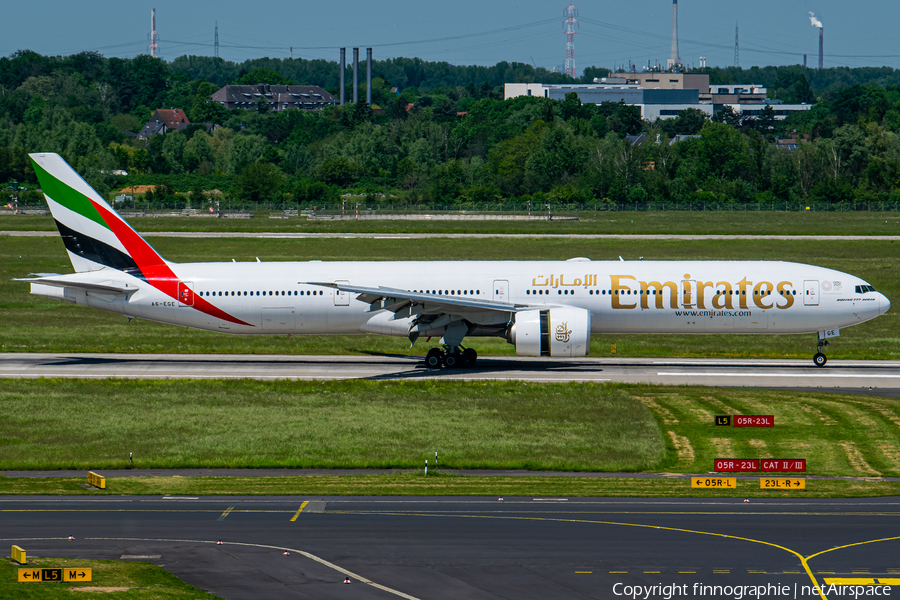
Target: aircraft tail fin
<point x="95" y="236"/>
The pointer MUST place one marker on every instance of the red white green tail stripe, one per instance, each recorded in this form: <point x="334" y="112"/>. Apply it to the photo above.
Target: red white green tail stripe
<point x="97" y="238"/>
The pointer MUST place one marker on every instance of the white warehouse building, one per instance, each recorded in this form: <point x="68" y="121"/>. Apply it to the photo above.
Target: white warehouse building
<point x="661" y="103"/>
<point x="655" y="103"/>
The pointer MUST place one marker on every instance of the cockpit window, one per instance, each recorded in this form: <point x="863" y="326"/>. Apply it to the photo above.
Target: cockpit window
<point x="864" y="289"/>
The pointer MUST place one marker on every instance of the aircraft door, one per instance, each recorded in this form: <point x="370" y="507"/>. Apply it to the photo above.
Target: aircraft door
<point x="688" y="293"/>
<point x="811" y="292"/>
<point x="341" y="298"/>
<point x="501" y="290"/>
<point x="185" y="293"/>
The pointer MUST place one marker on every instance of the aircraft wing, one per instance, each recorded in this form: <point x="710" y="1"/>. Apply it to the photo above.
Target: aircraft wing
<point x="404" y="303"/>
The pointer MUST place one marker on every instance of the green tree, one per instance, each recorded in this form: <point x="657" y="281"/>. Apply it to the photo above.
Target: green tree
<point x="150" y="76"/>
<point x="197" y="195"/>
<point x="765" y="122"/>
<point x="258" y="182"/>
<point x="690" y="121"/>
<point x="337" y="170"/>
<point x="721" y="153"/>
<point x="203" y="109"/>
<point x="728" y="116"/>
<point x="263" y="76"/>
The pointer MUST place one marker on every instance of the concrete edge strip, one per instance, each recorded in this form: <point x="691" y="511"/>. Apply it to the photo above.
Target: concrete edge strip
<point x="301" y="552"/>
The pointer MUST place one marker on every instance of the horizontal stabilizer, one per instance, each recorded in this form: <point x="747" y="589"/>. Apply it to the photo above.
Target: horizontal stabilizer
<point x="106" y="286"/>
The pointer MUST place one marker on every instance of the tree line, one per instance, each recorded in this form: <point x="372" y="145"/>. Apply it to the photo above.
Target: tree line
<point x="439" y="133"/>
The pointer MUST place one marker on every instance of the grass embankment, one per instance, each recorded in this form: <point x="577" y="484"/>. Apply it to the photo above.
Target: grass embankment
<point x="33" y="324"/>
<point x="409" y="484"/>
<point x="57" y="424"/>
<point x="53" y="424"/>
<point x="668" y="222"/>
<point x="126" y="578"/>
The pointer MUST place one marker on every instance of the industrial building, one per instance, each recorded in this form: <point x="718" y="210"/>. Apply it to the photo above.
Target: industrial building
<point x="667" y="81"/>
<point x="662" y="102"/>
<point x="782" y="111"/>
<point x="278" y="97"/>
<point x="603" y="92"/>
<point x="654" y="103"/>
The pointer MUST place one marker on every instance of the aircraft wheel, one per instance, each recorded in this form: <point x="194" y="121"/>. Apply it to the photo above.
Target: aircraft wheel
<point x="434" y="358"/>
<point x="820" y="359"/>
<point x="451" y="360"/>
<point x="469" y="356"/>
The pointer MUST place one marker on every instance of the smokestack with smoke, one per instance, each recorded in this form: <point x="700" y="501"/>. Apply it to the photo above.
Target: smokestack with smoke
<point x="818" y="24"/>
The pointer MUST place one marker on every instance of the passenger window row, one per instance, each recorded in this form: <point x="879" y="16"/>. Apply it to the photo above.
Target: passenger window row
<point x="652" y="292"/>
<point x="258" y="293"/>
<point x="449" y="292"/>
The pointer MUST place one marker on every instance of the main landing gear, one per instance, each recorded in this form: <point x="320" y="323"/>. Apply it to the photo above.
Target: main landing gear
<point x="450" y="357"/>
<point x="820" y="359"/>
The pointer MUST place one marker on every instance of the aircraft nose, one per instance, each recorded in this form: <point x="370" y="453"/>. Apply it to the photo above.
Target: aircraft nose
<point x="884" y="304"/>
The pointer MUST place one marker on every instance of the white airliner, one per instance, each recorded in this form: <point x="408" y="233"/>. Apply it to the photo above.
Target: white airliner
<point x="547" y="308"/>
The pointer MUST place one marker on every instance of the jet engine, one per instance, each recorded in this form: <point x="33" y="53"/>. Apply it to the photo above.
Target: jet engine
<point x="560" y="331"/>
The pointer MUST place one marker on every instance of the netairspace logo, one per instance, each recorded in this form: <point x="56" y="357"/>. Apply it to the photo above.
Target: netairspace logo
<point x="739" y="592"/>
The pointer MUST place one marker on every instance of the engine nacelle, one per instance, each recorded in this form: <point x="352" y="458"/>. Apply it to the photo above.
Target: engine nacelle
<point x="553" y="332"/>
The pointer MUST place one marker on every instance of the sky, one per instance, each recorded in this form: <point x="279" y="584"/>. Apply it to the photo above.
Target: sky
<point x="462" y="32"/>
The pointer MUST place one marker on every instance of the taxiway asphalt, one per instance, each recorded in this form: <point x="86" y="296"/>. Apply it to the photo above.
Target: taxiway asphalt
<point x="883" y="377"/>
<point x="477" y="548"/>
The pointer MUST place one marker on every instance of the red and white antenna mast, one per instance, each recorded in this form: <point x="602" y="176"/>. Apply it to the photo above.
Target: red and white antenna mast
<point x="570" y="24"/>
<point x="154" y="37"/>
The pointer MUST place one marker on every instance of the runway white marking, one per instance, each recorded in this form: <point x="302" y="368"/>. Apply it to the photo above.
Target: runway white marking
<point x="791" y="375"/>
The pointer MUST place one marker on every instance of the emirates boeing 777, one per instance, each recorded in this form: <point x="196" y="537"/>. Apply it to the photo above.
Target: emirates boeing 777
<point x="544" y="308"/>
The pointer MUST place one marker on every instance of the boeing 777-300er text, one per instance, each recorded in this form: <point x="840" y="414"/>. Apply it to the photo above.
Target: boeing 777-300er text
<point x="546" y="308"/>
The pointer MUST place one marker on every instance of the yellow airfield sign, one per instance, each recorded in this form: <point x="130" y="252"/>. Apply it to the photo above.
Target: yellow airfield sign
<point x="781" y="483"/>
<point x="54" y="574"/>
<point x="714" y="482"/>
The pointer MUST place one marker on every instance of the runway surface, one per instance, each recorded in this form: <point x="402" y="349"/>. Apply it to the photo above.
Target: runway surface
<point x="882" y="376"/>
<point x="477" y="548"/>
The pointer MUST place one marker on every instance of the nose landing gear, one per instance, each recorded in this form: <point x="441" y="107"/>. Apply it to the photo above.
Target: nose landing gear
<point x="820" y="359"/>
<point x="450" y="357"/>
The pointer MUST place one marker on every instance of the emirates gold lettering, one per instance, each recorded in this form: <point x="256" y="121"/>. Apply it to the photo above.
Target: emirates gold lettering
<point x="657" y="290"/>
<point x="761" y="292"/>
<point x="619" y="289"/>
<point x="722" y="295"/>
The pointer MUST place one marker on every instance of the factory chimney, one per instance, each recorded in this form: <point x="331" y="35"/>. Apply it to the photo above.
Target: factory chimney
<point x="355" y="75"/>
<point x="821" y="47"/>
<point x="343" y="72"/>
<point x="369" y="76"/>
<point x="817" y="23"/>
<point x="675" y="58"/>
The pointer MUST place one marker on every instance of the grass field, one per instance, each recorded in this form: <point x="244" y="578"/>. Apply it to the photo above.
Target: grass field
<point x="726" y="222"/>
<point x="123" y="579"/>
<point x="33" y="324"/>
<point x="56" y="424"/>
<point x="409" y="484"/>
